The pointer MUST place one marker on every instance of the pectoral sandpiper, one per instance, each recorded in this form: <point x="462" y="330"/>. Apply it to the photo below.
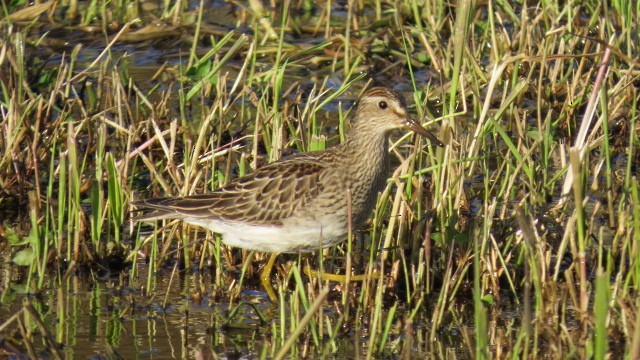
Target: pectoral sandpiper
<point x="299" y="203"/>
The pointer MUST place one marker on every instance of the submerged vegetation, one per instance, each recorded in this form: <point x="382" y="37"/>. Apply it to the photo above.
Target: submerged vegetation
<point x="519" y="239"/>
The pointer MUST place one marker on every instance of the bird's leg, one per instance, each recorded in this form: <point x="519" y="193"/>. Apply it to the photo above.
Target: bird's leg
<point x="265" y="278"/>
<point x="338" y="278"/>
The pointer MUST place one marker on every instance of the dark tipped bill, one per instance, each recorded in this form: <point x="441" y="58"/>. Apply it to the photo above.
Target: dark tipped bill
<point x="418" y="129"/>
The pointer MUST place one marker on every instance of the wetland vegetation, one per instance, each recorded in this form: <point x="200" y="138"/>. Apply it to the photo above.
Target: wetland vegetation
<point x="519" y="239"/>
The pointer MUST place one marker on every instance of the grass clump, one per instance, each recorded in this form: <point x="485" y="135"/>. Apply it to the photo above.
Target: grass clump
<point x="519" y="239"/>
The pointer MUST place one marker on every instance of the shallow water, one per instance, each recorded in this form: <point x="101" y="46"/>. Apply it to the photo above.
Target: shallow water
<point x="92" y="317"/>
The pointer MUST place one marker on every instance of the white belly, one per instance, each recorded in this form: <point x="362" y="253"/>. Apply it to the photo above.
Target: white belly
<point x="289" y="238"/>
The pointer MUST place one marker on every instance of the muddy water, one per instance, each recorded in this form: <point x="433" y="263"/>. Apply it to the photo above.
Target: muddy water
<point x="103" y="317"/>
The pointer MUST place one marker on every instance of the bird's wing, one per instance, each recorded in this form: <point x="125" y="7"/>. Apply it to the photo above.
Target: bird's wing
<point x="267" y="196"/>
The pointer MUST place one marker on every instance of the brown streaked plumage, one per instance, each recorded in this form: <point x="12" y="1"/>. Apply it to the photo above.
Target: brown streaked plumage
<point x="299" y="203"/>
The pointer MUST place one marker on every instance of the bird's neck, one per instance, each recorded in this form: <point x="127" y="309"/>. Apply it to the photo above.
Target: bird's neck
<point x="366" y="168"/>
<point x="367" y="147"/>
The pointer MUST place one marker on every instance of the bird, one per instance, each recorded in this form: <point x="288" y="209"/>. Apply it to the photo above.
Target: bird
<point x="300" y="204"/>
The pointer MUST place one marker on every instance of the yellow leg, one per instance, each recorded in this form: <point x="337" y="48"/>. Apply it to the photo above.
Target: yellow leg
<point x="336" y="277"/>
<point x="265" y="278"/>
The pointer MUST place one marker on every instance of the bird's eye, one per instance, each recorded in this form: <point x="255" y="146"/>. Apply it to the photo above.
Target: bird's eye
<point x="382" y="105"/>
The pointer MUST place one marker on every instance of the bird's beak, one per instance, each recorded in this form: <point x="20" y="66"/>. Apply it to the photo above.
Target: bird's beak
<point x="418" y="129"/>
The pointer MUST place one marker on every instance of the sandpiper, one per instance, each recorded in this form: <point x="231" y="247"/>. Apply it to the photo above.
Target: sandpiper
<point x="299" y="203"/>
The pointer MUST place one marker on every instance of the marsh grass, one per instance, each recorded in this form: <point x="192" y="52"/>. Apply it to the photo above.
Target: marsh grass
<point x="519" y="239"/>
